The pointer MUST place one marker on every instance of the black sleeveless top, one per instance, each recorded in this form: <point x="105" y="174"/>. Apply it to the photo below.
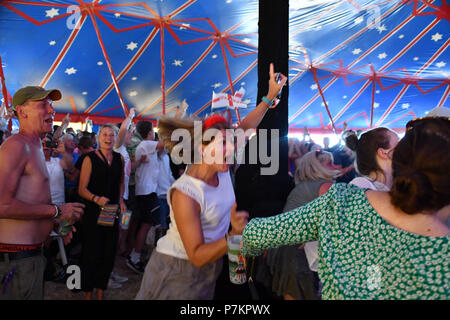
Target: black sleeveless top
<point x="105" y="180"/>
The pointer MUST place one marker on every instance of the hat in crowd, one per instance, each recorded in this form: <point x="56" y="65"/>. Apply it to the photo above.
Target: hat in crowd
<point x="34" y="93"/>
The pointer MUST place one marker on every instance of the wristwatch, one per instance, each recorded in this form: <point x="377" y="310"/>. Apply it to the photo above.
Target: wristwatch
<point x="58" y="212"/>
<point x="267" y="101"/>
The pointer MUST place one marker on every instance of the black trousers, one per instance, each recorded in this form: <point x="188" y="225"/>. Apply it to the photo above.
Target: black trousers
<point x="98" y="253"/>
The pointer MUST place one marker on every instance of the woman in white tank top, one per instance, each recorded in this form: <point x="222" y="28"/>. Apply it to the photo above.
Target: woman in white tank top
<point x="188" y="259"/>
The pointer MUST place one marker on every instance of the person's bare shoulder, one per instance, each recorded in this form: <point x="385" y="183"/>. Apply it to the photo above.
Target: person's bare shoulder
<point x="14" y="151"/>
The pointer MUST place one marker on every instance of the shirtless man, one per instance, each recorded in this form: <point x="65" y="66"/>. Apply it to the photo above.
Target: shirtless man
<point x="26" y="214"/>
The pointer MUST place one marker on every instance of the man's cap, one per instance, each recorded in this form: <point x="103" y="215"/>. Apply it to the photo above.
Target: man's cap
<point x="34" y="93"/>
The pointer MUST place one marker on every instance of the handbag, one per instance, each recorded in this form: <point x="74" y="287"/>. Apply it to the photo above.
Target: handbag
<point x="108" y="215"/>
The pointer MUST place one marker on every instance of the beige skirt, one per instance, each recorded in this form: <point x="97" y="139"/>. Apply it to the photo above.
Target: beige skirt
<point x="170" y="278"/>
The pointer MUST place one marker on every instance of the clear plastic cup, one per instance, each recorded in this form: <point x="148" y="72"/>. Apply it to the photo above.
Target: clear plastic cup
<point x="125" y="219"/>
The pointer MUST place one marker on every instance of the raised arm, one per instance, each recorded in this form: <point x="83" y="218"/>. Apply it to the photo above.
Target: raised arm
<point x="254" y="118"/>
<point x="60" y="131"/>
<point x="124" y="128"/>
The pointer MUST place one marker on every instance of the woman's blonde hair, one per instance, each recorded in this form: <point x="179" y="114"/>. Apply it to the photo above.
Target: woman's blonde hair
<point x="167" y="126"/>
<point x="310" y="167"/>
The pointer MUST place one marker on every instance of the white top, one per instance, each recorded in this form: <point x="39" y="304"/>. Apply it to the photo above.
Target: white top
<point x="56" y="176"/>
<point x="165" y="177"/>
<point x="147" y="172"/>
<point x="215" y="212"/>
<point x="366" y="182"/>
<point x="126" y="168"/>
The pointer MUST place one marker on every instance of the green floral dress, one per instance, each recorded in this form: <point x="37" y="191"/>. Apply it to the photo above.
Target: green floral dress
<point x="361" y="256"/>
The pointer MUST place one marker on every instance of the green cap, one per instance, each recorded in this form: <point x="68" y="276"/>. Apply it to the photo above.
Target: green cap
<point x="34" y="93"/>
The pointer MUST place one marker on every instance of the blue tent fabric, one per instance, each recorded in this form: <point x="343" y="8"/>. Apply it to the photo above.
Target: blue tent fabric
<point x="366" y="62"/>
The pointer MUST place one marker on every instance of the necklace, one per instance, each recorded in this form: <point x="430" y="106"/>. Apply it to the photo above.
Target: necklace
<point x="105" y="158"/>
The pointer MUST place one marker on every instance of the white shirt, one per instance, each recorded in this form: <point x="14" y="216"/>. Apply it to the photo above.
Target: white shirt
<point x="147" y="172"/>
<point x="126" y="168"/>
<point x="215" y="212"/>
<point x="365" y="182"/>
<point x="56" y="176"/>
<point x="165" y="177"/>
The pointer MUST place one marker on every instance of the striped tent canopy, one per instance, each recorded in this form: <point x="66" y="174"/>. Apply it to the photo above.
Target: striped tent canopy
<point x="365" y="62"/>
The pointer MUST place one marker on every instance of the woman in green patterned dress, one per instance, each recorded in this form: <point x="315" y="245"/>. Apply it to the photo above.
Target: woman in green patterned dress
<point x="375" y="244"/>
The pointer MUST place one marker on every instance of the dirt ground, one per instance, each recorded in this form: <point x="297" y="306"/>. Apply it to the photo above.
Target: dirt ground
<point x="129" y="289"/>
<point x="54" y="290"/>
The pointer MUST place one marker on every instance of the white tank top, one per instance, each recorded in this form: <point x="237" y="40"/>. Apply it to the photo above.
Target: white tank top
<point x="215" y="211"/>
<point x="56" y="174"/>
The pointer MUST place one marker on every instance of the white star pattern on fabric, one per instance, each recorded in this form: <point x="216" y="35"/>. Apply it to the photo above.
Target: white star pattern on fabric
<point x="313" y="86"/>
<point x="229" y="1"/>
<point x="216" y="85"/>
<point x="177" y="63"/>
<point x="441" y="64"/>
<point x="378" y="91"/>
<point x="381" y="28"/>
<point x="133" y="93"/>
<point x="134" y="78"/>
<point x="70" y="71"/>
<point x="344" y="97"/>
<point x="242" y="83"/>
<point x="184" y="25"/>
<point x="401" y="36"/>
<point x="100" y="63"/>
<point x="246" y="40"/>
<point x="52" y="43"/>
<point x="214" y="56"/>
<point x="436" y="37"/>
<point x="131" y="46"/>
<point x="382" y="55"/>
<point x="359" y="20"/>
<point x="357" y="51"/>
<point x="52" y="13"/>
<point x="416" y="58"/>
<point x="376" y="105"/>
<point x="405" y="105"/>
<point x="117" y="15"/>
<point x="84" y="93"/>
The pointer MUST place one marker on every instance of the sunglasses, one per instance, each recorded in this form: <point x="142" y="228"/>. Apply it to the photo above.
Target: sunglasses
<point x="418" y="121"/>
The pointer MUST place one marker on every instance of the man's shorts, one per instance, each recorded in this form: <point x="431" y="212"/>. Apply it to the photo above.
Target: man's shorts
<point x="22" y="278"/>
<point x="148" y="208"/>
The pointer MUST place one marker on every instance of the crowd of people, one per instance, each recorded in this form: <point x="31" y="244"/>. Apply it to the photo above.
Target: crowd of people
<point x="366" y="219"/>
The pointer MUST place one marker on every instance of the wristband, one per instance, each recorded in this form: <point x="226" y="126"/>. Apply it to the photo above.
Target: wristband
<point x="58" y="212"/>
<point x="267" y="101"/>
<point x="93" y="198"/>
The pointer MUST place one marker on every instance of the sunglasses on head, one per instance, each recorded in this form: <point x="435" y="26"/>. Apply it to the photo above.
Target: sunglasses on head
<point x="412" y="123"/>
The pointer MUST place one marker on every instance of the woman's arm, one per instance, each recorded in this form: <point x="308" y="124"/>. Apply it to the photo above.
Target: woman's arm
<point x="123" y="129"/>
<point x="85" y="176"/>
<point x="289" y="228"/>
<point x="254" y="118"/>
<point x="187" y="218"/>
